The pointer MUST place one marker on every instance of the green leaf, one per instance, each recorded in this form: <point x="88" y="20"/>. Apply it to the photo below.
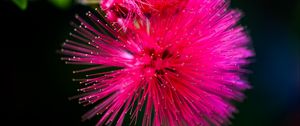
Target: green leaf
<point x="22" y="4"/>
<point x="62" y="3"/>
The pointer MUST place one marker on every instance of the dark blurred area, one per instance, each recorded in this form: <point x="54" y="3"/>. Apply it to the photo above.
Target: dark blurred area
<point x="37" y="84"/>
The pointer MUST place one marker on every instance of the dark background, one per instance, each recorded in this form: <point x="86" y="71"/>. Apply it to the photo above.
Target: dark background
<point x="36" y="84"/>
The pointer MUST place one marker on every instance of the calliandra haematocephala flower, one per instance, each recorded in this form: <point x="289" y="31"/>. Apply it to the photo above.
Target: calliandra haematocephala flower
<point x="182" y="68"/>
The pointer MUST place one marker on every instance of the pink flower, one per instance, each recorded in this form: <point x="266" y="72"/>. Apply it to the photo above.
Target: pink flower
<point x="179" y="69"/>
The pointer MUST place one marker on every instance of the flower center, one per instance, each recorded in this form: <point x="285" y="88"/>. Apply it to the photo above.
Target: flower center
<point x="153" y="62"/>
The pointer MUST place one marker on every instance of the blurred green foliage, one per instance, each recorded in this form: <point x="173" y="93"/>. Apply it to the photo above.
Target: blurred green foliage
<point x="22" y="4"/>
<point x="63" y="4"/>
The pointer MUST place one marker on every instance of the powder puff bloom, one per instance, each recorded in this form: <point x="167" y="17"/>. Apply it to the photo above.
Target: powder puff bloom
<point x="180" y="69"/>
